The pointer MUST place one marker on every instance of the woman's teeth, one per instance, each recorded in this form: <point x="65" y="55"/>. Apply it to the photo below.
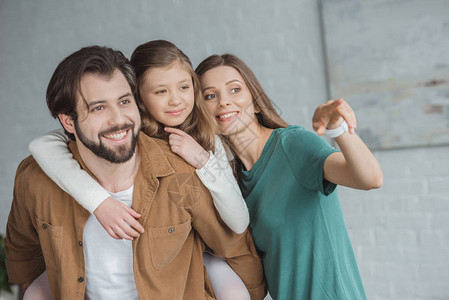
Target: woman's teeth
<point x="227" y="115"/>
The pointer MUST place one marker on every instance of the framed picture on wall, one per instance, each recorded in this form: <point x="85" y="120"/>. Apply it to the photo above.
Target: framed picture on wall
<point x="392" y="67"/>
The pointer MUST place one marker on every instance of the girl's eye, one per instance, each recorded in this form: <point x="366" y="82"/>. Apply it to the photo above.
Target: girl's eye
<point x="235" y="90"/>
<point x="184" y="87"/>
<point x="97" y="108"/>
<point x="160" y="92"/>
<point x="210" y="97"/>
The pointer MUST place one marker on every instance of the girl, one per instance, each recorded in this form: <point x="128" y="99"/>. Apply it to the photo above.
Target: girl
<point x="167" y="95"/>
<point x="288" y="176"/>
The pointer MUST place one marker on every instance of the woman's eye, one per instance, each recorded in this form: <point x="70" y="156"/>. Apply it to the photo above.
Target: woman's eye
<point x="126" y="101"/>
<point x="184" y="87"/>
<point x="160" y="92"/>
<point x="210" y="97"/>
<point x="235" y="90"/>
<point x="98" y="108"/>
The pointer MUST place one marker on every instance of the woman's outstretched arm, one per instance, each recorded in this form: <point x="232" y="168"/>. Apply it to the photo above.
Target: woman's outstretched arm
<point x="355" y="166"/>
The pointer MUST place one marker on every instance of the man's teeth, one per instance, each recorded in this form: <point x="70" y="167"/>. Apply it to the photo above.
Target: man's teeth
<point x="227" y="115"/>
<point x="116" y="136"/>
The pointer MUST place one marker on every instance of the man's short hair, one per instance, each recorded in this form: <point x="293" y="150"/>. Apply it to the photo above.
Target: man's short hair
<point x="64" y="85"/>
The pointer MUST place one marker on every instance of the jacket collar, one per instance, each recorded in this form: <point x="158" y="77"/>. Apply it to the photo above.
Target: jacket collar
<point x="153" y="157"/>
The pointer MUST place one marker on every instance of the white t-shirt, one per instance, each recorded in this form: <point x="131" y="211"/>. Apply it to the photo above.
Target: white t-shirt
<point x="109" y="262"/>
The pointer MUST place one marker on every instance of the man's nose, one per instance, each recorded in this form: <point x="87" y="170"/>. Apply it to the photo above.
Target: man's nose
<point x="116" y="116"/>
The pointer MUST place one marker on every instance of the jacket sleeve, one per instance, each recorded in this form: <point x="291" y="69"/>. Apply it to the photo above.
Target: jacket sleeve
<point x="51" y="153"/>
<point x="217" y="176"/>
<point x="24" y="258"/>
<point x="238" y="249"/>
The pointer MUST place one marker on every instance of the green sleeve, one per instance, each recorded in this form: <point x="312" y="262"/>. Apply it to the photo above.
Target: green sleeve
<point x="306" y="153"/>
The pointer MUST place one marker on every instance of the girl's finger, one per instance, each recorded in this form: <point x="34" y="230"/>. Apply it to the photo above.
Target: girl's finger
<point x="175" y="139"/>
<point x="132" y="212"/>
<point x="128" y="229"/>
<point x="175" y="142"/>
<point x="111" y="232"/>
<point x="174" y="131"/>
<point x="119" y="231"/>
<point x="176" y="149"/>
<point x="134" y="225"/>
<point x="178" y="136"/>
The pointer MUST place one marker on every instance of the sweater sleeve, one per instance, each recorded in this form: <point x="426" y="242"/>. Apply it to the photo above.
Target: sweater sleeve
<point x="51" y="153"/>
<point x="217" y="176"/>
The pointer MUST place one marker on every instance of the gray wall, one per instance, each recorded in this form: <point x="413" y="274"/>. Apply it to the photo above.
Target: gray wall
<point x="400" y="233"/>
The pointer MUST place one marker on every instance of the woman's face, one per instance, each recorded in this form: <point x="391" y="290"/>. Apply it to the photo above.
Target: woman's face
<point x="168" y="94"/>
<point x="228" y="100"/>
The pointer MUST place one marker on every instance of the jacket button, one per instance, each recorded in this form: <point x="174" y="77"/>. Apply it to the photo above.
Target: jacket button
<point x="44" y="226"/>
<point x="80" y="279"/>
<point x="171" y="230"/>
<point x="80" y="243"/>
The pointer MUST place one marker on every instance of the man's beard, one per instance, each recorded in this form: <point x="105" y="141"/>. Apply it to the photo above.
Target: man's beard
<point x="123" y="152"/>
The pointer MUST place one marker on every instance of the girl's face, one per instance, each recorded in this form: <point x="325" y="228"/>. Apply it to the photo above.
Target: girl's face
<point x="168" y="94"/>
<point x="228" y="100"/>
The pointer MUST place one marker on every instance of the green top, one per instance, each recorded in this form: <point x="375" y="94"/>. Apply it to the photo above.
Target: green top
<point x="297" y="221"/>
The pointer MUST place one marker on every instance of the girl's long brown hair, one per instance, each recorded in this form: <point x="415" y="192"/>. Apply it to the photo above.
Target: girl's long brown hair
<point x="159" y="53"/>
<point x="267" y="115"/>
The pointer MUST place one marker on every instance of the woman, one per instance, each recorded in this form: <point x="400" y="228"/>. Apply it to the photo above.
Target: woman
<point x="288" y="177"/>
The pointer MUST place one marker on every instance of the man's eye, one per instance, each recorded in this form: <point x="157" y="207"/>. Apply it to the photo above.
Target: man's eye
<point x="235" y="90"/>
<point x="210" y="97"/>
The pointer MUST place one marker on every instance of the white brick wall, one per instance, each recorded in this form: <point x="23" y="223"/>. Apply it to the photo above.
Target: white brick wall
<point x="400" y="233"/>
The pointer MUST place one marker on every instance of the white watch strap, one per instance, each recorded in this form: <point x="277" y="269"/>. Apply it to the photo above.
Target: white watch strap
<point x="336" y="132"/>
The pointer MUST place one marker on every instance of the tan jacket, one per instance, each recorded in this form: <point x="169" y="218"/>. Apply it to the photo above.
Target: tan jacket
<point x="45" y="230"/>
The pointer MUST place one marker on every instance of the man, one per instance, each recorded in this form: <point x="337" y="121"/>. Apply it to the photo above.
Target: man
<point x="91" y="92"/>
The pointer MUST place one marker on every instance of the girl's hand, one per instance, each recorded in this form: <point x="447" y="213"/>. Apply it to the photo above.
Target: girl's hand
<point x="118" y="219"/>
<point x="331" y="114"/>
<point x="185" y="146"/>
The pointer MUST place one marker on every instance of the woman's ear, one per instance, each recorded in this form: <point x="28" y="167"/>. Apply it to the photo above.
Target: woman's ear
<point x="256" y="107"/>
<point x="67" y="122"/>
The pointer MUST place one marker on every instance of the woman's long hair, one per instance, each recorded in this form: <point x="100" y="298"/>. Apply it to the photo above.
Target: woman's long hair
<point x="159" y="53"/>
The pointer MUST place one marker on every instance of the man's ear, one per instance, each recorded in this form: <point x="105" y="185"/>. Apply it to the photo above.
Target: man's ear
<point x="67" y="122"/>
